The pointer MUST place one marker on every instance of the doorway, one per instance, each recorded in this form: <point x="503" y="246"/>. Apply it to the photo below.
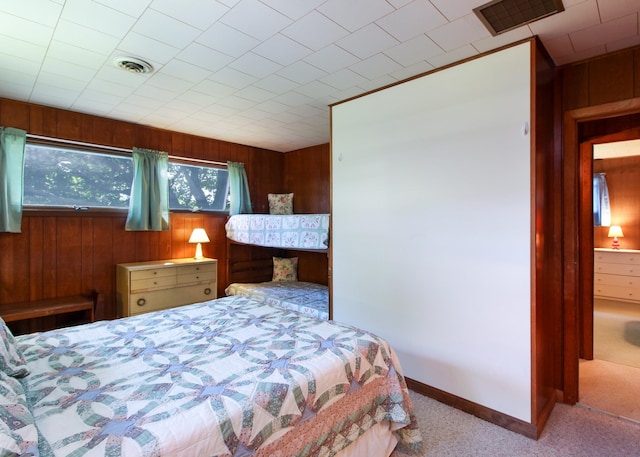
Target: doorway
<point x="578" y="228"/>
<point x="608" y="381"/>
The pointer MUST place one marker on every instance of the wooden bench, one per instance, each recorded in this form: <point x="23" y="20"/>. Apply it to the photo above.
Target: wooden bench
<point x="11" y="312"/>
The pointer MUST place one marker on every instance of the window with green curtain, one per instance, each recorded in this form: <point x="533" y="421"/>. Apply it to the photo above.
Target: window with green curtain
<point x="149" y="203"/>
<point x="238" y="189"/>
<point x="12" y="145"/>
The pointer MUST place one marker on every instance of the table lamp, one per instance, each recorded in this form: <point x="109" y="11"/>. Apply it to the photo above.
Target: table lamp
<point x="615" y="232"/>
<point x="198" y="236"/>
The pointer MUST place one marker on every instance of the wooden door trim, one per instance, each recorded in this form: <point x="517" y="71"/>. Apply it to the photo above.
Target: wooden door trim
<point x="574" y="239"/>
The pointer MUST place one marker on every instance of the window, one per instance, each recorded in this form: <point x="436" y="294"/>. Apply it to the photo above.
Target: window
<point x="57" y="176"/>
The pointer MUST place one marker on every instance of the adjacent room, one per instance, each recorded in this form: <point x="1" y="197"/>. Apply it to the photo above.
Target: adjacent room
<point x="260" y="228"/>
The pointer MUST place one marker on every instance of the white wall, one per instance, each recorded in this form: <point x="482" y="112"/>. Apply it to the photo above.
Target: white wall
<point x="431" y="234"/>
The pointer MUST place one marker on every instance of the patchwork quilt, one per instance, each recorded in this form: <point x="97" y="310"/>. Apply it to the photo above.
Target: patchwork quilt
<point x="305" y="297"/>
<point x="228" y="377"/>
<point x="301" y="231"/>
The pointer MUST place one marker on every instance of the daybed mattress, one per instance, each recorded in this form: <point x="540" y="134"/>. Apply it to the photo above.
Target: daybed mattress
<point x="302" y="231"/>
<point x="228" y="377"/>
<point x="304" y="297"/>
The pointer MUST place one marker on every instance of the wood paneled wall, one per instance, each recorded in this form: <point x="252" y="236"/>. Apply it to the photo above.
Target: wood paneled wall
<point x="63" y="253"/>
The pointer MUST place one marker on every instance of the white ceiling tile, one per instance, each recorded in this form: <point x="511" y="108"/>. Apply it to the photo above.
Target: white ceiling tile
<point x="623" y="44"/>
<point x="25" y="30"/>
<point x="413" y="51"/>
<point x="153" y="94"/>
<point x="22" y="50"/>
<point x="559" y="46"/>
<point x="316" y="89"/>
<point x="413" y="70"/>
<point x="453" y="56"/>
<point x="67" y="69"/>
<point x="494" y="42"/>
<point x="576" y="56"/>
<point x="255" y="65"/>
<point x="276" y="84"/>
<point x="93" y="40"/>
<point x="197" y="13"/>
<point x="227" y="40"/>
<point x="185" y="71"/>
<point x="154" y="24"/>
<point x="458" y="8"/>
<point x="117" y="76"/>
<point x="615" y="30"/>
<point x="294" y="10"/>
<point x="375" y="66"/>
<point x="88" y="105"/>
<point x="399" y="3"/>
<point x="374" y="84"/>
<point x="412" y="20"/>
<point x="331" y="58"/>
<point x="292" y="99"/>
<point x="355" y="14"/>
<point x="43" y="12"/>
<point x="145" y="48"/>
<point x="614" y="9"/>
<point x="98" y="17"/>
<point x="199" y="99"/>
<point x="67" y="52"/>
<point x="282" y="50"/>
<point x="254" y="94"/>
<point x="343" y="79"/>
<point x="325" y="31"/>
<point x="15" y="90"/>
<point x="255" y="19"/>
<point x="367" y="41"/>
<point x="459" y="32"/>
<point x="233" y="78"/>
<point x="204" y="57"/>
<point x="18" y="78"/>
<point x="63" y="95"/>
<point x="109" y="87"/>
<point x="301" y="72"/>
<point x="582" y="15"/>
<point x="132" y="8"/>
<point x="213" y="89"/>
<point x="169" y="83"/>
<point x="272" y="107"/>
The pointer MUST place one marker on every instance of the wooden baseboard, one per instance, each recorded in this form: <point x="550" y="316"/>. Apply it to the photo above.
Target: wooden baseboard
<point x="495" y="417"/>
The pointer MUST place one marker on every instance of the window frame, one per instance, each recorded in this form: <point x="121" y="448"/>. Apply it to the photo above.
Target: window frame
<point x="114" y="151"/>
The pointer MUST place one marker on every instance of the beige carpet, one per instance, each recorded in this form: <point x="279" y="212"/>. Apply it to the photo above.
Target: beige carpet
<point x="616" y="332"/>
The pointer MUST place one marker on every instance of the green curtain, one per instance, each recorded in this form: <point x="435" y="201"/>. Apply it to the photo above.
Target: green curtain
<point x="238" y="189"/>
<point x="12" y="145"/>
<point x="149" y="205"/>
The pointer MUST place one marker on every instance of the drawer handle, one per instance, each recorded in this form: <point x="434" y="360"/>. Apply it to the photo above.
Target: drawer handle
<point x="141" y="301"/>
<point x="155" y="272"/>
<point x="197" y="277"/>
<point x="207" y="291"/>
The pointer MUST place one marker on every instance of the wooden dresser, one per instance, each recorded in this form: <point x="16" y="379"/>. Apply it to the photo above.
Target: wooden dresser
<point x="617" y="274"/>
<point x="151" y="286"/>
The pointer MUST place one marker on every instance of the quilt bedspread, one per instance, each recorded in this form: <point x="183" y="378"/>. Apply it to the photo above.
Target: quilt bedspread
<point x="305" y="297"/>
<point x="302" y="231"/>
<point x="228" y="377"/>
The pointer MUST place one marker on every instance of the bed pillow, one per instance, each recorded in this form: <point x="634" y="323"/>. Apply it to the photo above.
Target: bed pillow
<point x="11" y="360"/>
<point x="18" y="432"/>
<point x="285" y="269"/>
<point x="281" y="203"/>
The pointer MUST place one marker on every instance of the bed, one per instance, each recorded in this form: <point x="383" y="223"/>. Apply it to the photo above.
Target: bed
<point x="288" y="231"/>
<point x="301" y="296"/>
<point x="227" y="377"/>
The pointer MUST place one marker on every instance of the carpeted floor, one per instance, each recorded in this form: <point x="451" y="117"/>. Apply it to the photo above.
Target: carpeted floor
<point x="572" y="431"/>
<point x="616" y="332"/>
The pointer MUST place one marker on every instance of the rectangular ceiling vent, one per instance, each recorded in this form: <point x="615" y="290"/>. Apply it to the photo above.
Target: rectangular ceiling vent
<point x="500" y="16"/>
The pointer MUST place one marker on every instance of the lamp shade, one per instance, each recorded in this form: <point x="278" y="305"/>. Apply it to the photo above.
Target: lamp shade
<point x="615" y="231"/>
<point x="198" y="236"/>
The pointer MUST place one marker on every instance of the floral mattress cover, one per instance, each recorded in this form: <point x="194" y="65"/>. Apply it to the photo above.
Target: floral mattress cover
<point x="290" y="231"/>
<point x="305" y="297"/>
<point x="227" y="377"/>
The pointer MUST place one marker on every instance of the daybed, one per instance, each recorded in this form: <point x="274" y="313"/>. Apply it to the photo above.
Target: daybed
<point x="227" y="377"/>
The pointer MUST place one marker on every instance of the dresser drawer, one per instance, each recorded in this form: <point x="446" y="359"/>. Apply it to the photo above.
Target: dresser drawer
<point x="155" y="285"/>
<point x="163" y="299"/>
<point x="616" y="280"/>
<point x="623" y="293"/>
<point x="617" y="269"/>
<point x="632" y="258"/>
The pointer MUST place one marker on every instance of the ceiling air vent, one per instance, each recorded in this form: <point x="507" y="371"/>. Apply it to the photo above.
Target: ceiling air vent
<point x="133" y="65"/>
<point x="500" y="16"/>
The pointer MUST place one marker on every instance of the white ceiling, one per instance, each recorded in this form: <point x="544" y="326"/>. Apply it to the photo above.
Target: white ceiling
<point x="261" y="72"/>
